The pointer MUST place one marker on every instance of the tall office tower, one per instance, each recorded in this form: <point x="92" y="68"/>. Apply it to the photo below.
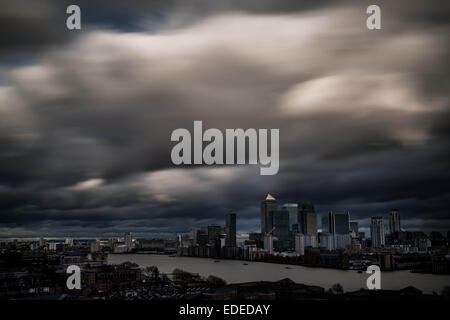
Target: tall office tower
<point x="394" y="221"/>
<point x="268" y="209"/>
<point x="325" y="223"/>
<point x="281" y="230"/>
<point x="128" y="238"/>
<point x="326" y="240"/>
<point x="292" y="208"/>
<point x="69" y="242"/>
<point x="268" y="242"/>
<point x="339" y="222"/>
<point x="194" y="235"/>
<point x="300" y="243"/>
<point x="308" y="217"/>
<point x="339" y="228"/>
<point x="42" y="242"/>
<point x="230" y="240"/>
<point x="202" y="238"/>
<point x="214" y="232"/>
<point x="377" y="232"/>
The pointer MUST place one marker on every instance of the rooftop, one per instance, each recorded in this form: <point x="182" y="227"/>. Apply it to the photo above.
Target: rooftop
<point x="269" y="197"/>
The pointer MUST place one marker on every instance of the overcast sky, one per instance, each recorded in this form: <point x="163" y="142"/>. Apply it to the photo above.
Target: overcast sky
<point x="86" y="116"/>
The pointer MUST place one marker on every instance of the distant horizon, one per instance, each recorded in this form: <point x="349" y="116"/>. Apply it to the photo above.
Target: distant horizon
<point x="280" y="204"/>
<point x="139" y="236"/>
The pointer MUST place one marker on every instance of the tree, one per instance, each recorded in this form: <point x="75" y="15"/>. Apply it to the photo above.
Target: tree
<point x="446" y="292"/>
<point x="153" y="272"/>
<point x="216" y="281"/>
<point x="181" y="275"/>
<point x="337" y="288"/>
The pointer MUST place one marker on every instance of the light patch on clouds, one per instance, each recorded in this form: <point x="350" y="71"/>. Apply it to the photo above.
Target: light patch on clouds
<point x="179" y="185"/>
<point x="86" y="185"/>
<point x="352" y="93"/>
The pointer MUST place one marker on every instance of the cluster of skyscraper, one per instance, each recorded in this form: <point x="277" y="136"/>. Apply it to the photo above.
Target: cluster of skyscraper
<point x="377" y="228"/>
<point x="217" y="235"/>
<point x="295" y="225"/>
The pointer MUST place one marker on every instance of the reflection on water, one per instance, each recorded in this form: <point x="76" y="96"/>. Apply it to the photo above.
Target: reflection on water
<point x="234" y="271"/>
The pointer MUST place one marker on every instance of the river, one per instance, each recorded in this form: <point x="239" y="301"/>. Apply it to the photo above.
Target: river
<point x="234" y="271"/>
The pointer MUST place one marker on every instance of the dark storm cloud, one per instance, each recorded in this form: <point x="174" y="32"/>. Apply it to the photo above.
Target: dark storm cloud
<point x="85" y="126"/>
<point x="30" y="25"/>
<point x="26" y="27"/>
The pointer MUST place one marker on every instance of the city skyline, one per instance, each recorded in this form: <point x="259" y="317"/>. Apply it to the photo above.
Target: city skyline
<point x="323" y="223"/>
<point x="290" y="235"/>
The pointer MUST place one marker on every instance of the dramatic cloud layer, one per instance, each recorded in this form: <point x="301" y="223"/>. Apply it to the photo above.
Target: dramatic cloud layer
<point x="85" y="120"/>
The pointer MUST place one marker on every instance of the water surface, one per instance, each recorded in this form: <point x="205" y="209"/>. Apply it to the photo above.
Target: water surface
<point x="234" y="271"/>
